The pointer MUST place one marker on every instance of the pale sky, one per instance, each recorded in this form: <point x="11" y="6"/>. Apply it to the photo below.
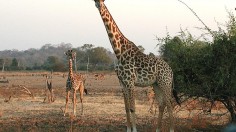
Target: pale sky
<point x="28" y="24"/>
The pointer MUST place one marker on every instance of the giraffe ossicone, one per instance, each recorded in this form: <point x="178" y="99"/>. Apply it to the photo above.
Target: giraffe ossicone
<point x="135" y="68"/>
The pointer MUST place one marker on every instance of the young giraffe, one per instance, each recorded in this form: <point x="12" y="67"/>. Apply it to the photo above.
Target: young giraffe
<point x="134" y="68"/>
<point x="74" y="82"/>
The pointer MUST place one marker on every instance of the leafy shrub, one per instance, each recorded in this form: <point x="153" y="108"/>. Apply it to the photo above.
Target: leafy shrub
<point x="202" y="68"/>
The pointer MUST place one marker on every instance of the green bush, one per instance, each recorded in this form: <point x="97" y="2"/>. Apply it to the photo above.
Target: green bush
<point x="202" y="68"/>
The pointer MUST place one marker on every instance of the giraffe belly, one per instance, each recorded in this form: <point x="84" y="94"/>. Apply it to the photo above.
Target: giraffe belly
<point x="145" y="81"/>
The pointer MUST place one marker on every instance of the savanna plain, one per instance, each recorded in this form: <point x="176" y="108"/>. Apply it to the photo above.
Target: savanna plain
<point x="24" y="106"/>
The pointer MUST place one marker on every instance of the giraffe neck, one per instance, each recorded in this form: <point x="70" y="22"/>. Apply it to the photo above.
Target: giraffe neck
<point x="119" y="42"/>
<point x="70" y="75"/>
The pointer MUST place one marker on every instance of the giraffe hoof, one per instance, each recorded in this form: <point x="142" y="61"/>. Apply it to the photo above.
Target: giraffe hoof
<point x="64" y="113"/>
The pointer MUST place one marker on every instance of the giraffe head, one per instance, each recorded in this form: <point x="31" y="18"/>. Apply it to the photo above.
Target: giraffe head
<point x="98" y="3"/>
<point x="70" y="54"/>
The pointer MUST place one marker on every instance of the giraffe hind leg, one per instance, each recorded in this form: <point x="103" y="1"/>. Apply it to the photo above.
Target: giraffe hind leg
<point x="164" y="96"/>
<point x="170" y="110"/>
<point x="159" y="97"/>
<point x="81" y="98"/>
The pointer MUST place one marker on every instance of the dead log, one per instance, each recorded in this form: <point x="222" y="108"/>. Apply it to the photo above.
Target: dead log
<point x="4" y="81"/>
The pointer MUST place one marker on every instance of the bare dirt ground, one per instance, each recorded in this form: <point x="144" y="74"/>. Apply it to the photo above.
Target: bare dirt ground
<point x="103" y="107"/>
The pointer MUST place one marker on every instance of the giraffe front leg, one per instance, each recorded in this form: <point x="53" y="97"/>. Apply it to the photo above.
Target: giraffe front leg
<point x="67" y="99"/>
<point x="132" y="108"/>
<point x="127" y="109"/>
<point x="74" y="103"/>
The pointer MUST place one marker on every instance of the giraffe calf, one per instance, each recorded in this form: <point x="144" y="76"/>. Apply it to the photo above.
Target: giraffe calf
<point x="74" y="82"/>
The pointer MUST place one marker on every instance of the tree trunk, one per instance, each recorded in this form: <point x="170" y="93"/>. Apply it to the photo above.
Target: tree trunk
<point x="3" y="66"/>
<point x="229" y="104"/>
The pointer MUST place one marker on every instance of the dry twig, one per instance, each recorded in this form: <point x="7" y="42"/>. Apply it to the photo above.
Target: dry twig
<point x="194" y="13"/>
<point x="25" y="90"/>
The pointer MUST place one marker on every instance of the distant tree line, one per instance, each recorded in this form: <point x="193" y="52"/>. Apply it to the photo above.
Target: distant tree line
<point x="51" y="57"/>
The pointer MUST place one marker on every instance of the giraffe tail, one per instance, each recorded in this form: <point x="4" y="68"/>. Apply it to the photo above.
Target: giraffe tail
<point x="177" y="99"/>
<point x="175" y="94"/>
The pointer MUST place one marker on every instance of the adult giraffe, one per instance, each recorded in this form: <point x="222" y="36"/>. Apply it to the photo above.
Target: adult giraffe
<point x="134" y="68"/>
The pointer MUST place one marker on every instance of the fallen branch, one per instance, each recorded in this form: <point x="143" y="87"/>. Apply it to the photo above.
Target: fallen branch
<point x="7" y="100"/>
<point x="25" y="90"/>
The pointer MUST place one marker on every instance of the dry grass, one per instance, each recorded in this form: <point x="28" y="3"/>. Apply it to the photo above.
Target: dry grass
<point x="103" y="107"/>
